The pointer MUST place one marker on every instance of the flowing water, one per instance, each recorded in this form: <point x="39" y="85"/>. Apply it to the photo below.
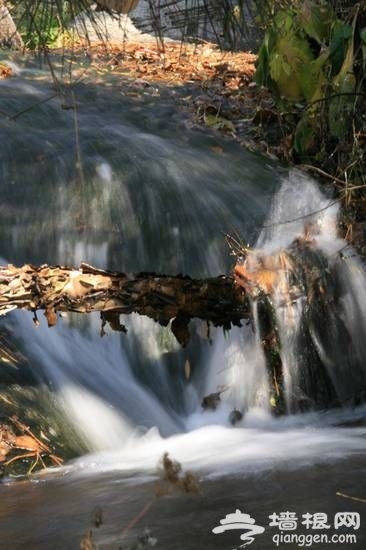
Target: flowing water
<point x="115" y="176"/>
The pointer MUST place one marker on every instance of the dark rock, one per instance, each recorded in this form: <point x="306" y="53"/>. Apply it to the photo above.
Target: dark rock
<point x="235" y="416"/>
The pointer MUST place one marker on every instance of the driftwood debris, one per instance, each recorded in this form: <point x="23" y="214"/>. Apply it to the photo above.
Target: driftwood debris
<point x="86" y="289"/>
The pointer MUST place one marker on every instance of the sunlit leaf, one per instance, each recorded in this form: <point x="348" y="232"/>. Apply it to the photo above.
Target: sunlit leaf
<point x="312" y="78"/>
<point x="291" y="53"/>
<point x="218" y="122"/>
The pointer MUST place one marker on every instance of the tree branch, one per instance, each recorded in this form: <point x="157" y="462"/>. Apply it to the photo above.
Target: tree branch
<point x="163" y="298"/>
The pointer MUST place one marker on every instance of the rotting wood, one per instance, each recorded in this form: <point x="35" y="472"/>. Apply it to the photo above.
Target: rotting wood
<point x="163" y="298"/>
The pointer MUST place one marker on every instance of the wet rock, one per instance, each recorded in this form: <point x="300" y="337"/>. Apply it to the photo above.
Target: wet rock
<point x="146" y="540"/>
<point x="235" y="416"/>
<point x="211" y="401"/>
<point x="98" y="516"/>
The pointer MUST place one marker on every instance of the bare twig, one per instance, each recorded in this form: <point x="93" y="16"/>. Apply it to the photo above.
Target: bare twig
<point x="321" y="172"/>
<point x="349" y="497"/>
<point x="137" y="518"/>
<point x="303" y="217"/>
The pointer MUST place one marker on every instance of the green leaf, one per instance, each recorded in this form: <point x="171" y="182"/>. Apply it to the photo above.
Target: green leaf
<point x="341" y="107"/>
<point x="209" y="119"/>
<point x="316" y="21"/>
<point x="338" y="45"/>
<point x="218" y="122"/>
<point x="283" y="21"/>
<point x="345" y="81"/>
<point x="262" y="72"/>
<point x="312" y="78"/>
<point x="290" y="54"/>
<point x="305" y="134"/>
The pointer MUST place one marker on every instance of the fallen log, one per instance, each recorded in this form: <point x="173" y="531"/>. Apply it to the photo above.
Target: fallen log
<point x="179" y="299"/>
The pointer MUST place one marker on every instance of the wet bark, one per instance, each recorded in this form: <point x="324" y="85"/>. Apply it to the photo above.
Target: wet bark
<point x="86" y="289"/>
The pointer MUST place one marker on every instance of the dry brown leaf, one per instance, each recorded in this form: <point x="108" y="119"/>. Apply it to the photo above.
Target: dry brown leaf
<point x="217" y="149"/>
<point x="51" y="316"/>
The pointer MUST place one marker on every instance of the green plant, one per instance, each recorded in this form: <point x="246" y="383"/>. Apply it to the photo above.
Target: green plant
<point x="40" y="22"/>
<point x="314" y="63"/>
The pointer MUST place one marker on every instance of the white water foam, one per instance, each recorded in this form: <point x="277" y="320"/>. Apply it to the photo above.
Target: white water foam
<point x="127" y="427"/>
<point x="262" y="443"/>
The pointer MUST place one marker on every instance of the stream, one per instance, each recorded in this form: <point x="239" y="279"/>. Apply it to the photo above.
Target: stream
<point x="114" y="174"/>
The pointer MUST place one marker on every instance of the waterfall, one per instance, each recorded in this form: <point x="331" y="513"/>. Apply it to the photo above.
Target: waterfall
<point x="159" y="197"/>
<point x="114" y="390"/>
<point x="317" y="297"/>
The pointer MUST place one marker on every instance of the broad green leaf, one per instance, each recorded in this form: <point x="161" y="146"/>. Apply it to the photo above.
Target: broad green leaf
<point x="283" y="21"/>
<point x="316" y="21"/>
<point x="291" y="53"/>
<point x="339" y="44"/>
<point x="347" y="66"/>
<point x="312" y="78"/>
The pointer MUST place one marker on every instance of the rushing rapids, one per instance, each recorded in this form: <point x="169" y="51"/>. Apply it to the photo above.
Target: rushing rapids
<point x="313" y="284"/>
<point x="288" y="359"/>
<point x="135" y="194"/>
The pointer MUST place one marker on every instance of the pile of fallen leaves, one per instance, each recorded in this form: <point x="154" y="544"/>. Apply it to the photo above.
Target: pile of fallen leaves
<point x="225" y="97"/>
<point x="18" y="443"/>
<point x="174" y="63"/>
